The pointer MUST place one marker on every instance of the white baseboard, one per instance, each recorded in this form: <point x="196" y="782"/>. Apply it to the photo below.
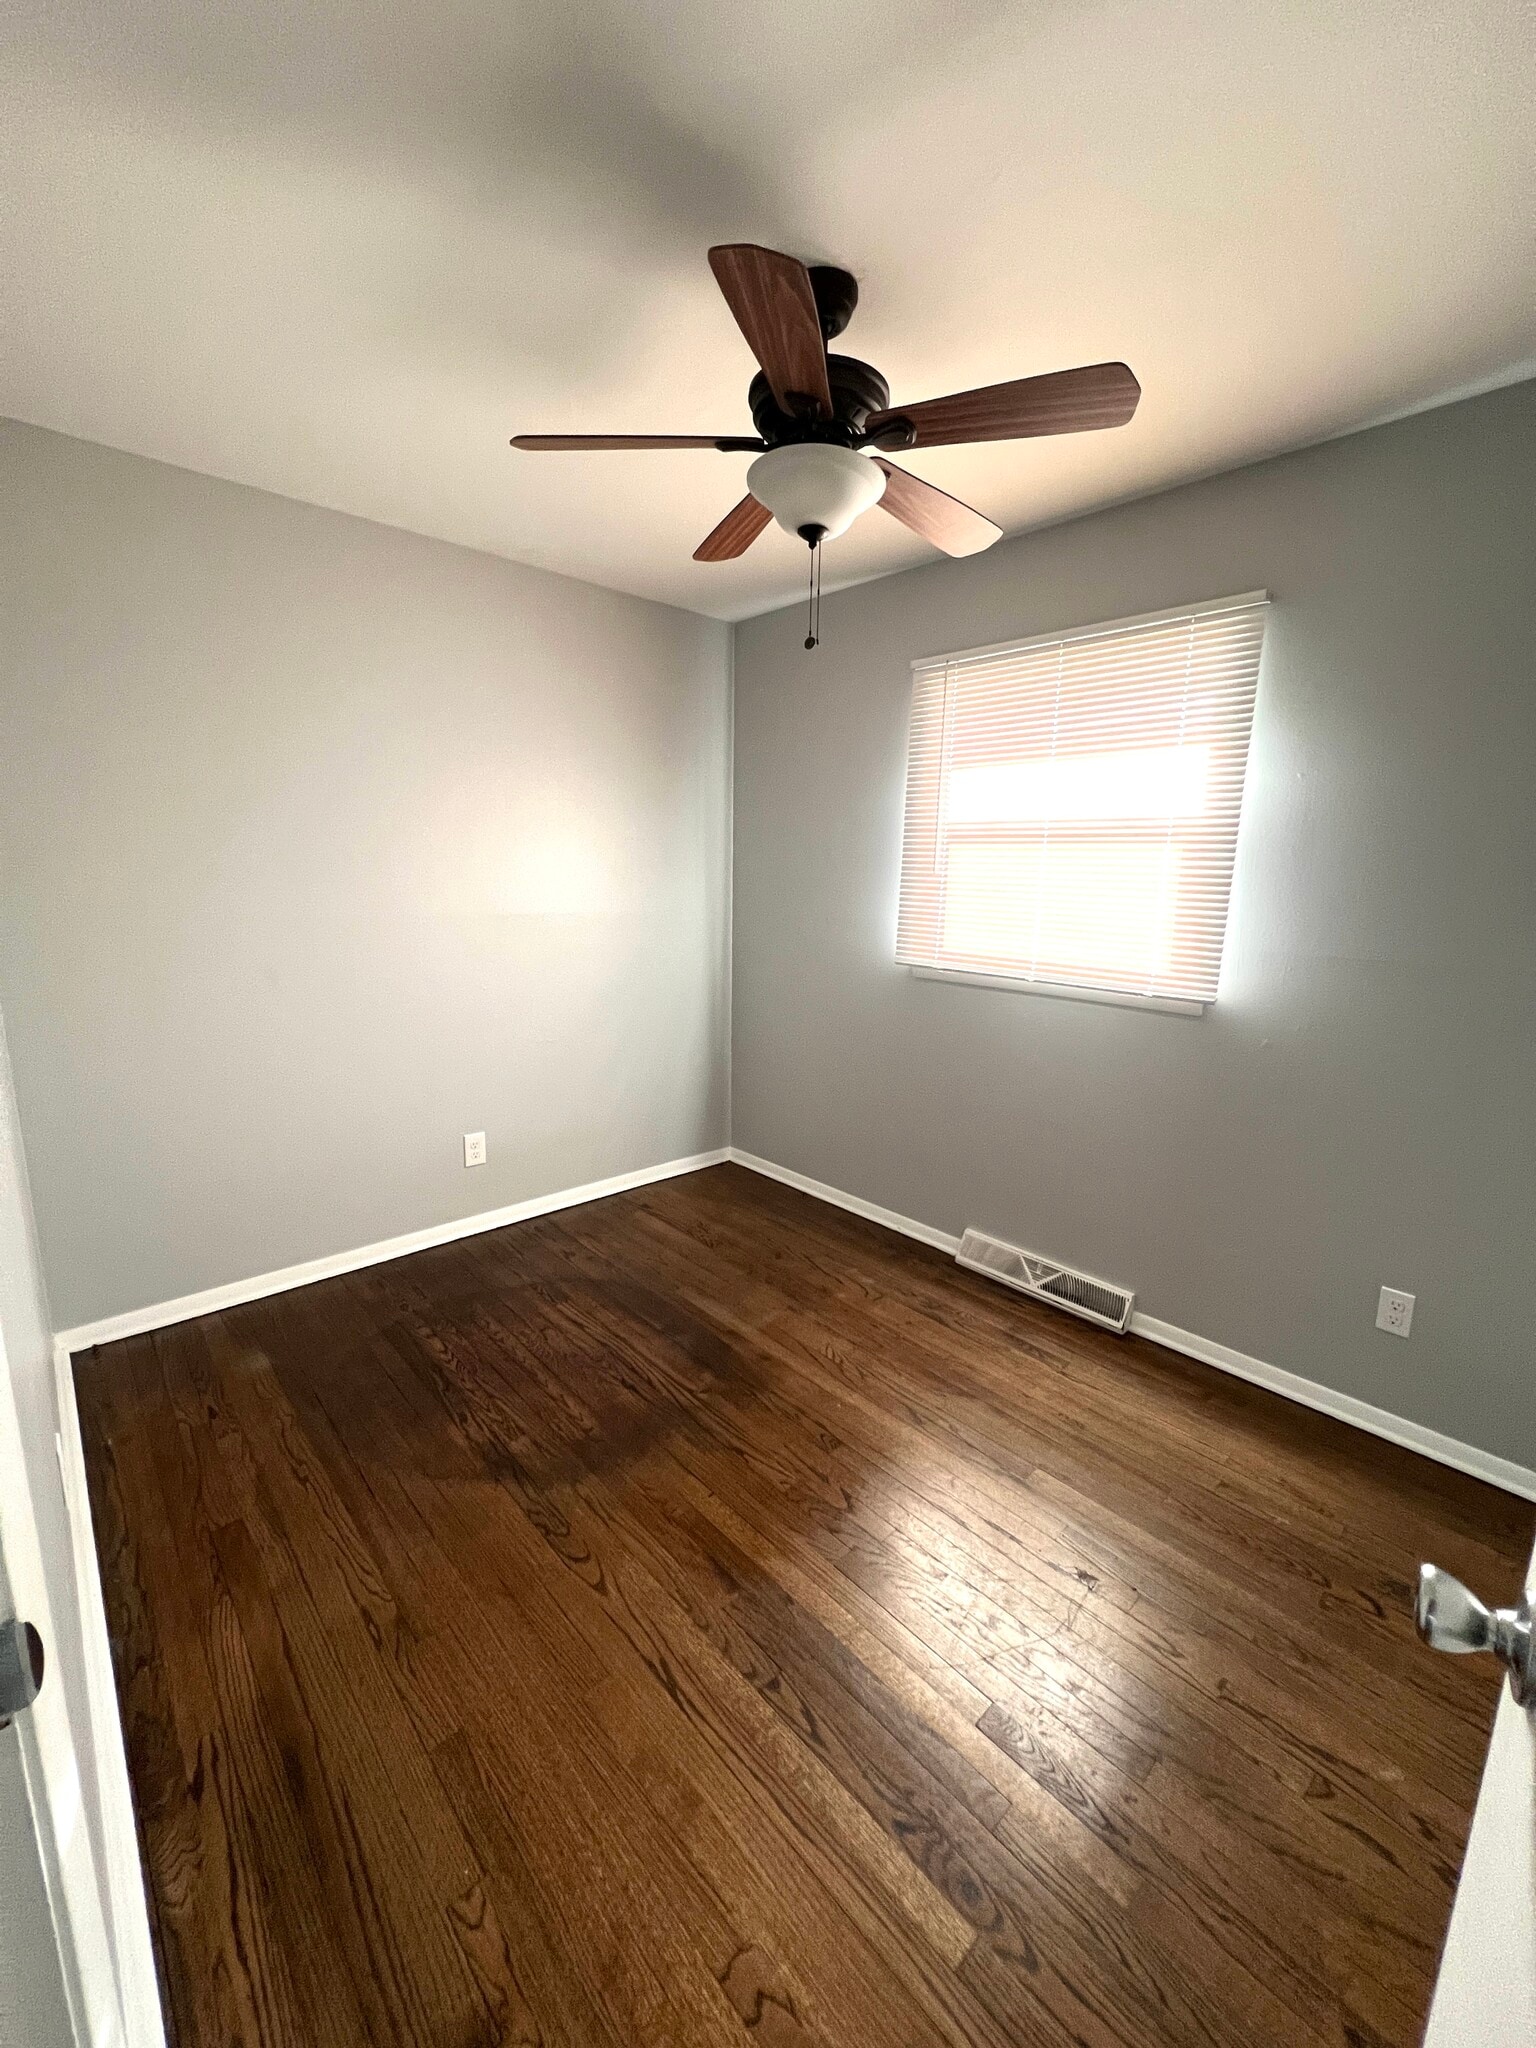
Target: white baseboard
<point x="138" y="1985"/>
<point x="1396" y="1429"/>
<point x="159" y="1315"/>
<point x="941" y="1240"/>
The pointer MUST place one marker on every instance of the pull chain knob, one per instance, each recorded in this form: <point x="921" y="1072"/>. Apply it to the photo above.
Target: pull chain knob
<point x="1455" y="1621"/>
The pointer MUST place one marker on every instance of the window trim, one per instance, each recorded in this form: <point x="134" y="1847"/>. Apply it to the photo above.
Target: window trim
<point x="931" y="665"/>
<point x="1070" y="991"/>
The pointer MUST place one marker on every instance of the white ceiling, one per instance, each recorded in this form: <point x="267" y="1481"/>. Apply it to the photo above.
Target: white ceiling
<point x="342" y="249"/>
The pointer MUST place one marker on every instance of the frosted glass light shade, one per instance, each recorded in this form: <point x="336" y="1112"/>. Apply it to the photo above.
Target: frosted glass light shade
<point x="813" y="483"/>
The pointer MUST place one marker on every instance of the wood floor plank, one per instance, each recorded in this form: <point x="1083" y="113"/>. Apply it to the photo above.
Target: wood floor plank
<point x="776" y="1678"/>
<point x="653" y="1695"/>
<point x="247" y="1952"/>
<point x="1300" y="1568"/>
<point x="888" y="1584"/>
<point x="1243" y="1461"/>
<point x="704" y="1617"/>
<point x="1440" y="1771"/>
<point x="1307" y="1997"/>
<point x="1364" y="1485"/>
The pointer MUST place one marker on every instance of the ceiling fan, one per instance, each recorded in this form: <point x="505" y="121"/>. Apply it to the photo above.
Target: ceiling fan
<point x="825" y="424"/>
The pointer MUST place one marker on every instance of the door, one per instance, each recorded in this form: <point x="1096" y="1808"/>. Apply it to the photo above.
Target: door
<point x="1486" y="1993"/>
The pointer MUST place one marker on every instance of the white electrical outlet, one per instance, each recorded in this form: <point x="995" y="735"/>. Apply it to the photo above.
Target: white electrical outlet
<point x="1394" y="1311"/>
<point x="474" y="1148"/>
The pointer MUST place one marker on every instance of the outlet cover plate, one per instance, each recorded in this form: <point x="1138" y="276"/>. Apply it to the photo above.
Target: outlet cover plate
<point x="1394" y="1312"/>
<point x="474" y="1148"/>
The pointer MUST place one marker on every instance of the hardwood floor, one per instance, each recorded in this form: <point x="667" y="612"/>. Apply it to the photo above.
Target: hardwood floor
<point x="703" y="1617"/>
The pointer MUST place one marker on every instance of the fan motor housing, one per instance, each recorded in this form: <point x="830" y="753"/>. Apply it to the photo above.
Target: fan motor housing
<point x="836" y="293"/>
<point x="858" y="389"/>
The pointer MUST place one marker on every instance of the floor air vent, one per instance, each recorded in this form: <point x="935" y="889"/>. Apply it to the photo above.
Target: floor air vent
<point x="1043" y="1278"/>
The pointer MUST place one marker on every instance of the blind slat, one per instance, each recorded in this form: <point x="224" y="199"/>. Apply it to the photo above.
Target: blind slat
<point x="1072" y="805"/>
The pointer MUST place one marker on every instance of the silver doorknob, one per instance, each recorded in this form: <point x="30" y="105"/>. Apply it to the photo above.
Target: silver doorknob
<point x="1451" y="1619"/>
<point x="21" y="1668"/>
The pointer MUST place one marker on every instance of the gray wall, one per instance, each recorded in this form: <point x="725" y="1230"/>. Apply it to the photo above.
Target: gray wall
<point x="1360" y="1105"/>
<point x="323" y="844"/>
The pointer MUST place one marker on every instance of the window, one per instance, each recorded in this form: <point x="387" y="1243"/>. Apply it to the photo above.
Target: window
<point x="1073" y="801"/>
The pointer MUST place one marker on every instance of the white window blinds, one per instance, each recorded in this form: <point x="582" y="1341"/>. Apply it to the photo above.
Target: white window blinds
<point x="1072" y="803"/>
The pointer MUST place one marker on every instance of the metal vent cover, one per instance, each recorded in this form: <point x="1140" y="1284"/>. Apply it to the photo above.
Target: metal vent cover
<point x="1047" y="1280"/>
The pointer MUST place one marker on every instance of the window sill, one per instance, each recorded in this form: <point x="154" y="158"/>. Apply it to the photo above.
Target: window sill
<point x="1014" y="984"/>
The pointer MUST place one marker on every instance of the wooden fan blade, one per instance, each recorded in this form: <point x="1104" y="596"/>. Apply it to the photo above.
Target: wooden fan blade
<point x="576" y="441"/>
<point x="775" y="309"/>
<point x="735" y="533"/>
<point x="1065" y="402"/>
<point x="935" y="514"/>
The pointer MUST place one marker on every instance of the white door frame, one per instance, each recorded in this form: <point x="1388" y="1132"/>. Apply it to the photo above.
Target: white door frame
<point x="123" y="1878"/>
<point x="75" y="1897"/>
<point x="90" y="1859"/>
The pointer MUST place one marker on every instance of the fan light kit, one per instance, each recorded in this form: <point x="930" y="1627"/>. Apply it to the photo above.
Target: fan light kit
<point x="825" y="422"/>
<point x="815" y="484"/>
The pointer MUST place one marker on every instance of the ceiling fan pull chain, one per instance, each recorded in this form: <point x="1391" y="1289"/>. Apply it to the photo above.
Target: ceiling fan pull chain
<point x="813" y="601"/>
